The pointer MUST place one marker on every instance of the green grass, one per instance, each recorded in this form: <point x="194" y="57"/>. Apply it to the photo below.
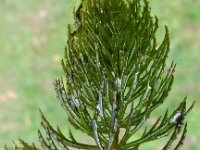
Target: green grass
<point x="32" y="40"/>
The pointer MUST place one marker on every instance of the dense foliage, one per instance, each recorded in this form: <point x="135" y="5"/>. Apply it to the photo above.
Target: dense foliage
<point x="114" y="78"/>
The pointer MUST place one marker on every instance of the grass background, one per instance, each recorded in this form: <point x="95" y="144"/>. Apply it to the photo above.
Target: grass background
<point x="32" y="39"/>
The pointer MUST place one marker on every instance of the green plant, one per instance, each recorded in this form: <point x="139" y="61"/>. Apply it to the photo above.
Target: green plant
<point x="114" y="78"/>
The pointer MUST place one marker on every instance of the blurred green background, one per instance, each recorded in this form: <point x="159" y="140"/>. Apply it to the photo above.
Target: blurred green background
<point x="33" y="35"/>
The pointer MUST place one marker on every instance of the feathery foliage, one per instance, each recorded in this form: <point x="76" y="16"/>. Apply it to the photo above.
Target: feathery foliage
<point x="114" y="78"/>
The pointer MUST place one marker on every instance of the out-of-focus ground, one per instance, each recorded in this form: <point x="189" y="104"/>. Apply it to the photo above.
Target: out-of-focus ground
<point x="32" y="39"/>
